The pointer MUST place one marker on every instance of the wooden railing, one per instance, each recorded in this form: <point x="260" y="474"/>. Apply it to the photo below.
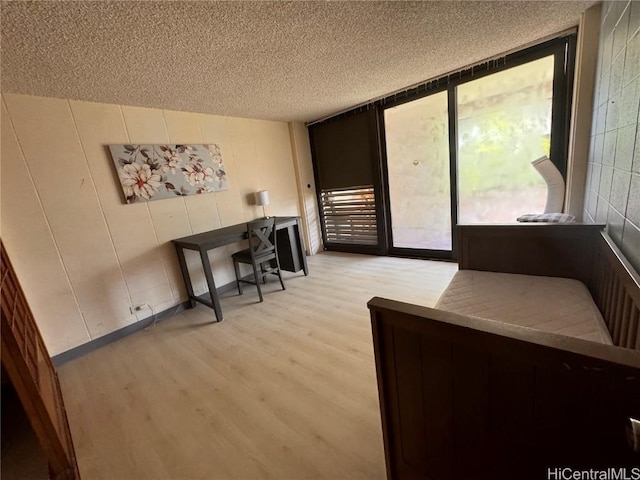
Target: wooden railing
<point x="617" y="294"/>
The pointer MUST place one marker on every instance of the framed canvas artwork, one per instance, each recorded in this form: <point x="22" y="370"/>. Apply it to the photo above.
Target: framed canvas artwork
<point x="154" y="172"/>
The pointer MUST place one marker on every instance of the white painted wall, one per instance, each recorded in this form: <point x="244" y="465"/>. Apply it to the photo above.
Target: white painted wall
<point x="82" y="255"/>
<point x="581" y="110"/>
<point x="306" y="186"/>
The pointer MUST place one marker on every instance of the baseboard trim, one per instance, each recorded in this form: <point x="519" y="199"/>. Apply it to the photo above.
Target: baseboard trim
<point x="100" y="342"/>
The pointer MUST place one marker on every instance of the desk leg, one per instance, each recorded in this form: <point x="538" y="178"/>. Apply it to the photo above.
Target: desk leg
<point x="301" y="250"/>
<point x="206" y="266"/>
<point x="185" y="275"/>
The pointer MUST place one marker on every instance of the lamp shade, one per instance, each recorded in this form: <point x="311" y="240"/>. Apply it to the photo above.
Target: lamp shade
<point x="262" y="197"/>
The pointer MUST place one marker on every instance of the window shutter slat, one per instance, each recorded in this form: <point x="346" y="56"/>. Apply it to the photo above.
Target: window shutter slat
<point x="349" y="215"/>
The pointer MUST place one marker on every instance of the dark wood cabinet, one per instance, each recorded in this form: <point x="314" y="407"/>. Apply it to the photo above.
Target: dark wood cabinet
<point x="28" y="365"/>
<point x="290" y="246"/>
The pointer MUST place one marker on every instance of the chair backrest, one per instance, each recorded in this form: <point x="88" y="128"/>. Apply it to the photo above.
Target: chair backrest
<point x="262" y="237"/>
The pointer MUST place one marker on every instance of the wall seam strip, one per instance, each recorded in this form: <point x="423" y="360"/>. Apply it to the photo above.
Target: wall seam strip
<point x="184" y="201"/>
<point x="95" y="190"/>
<point x="174" y="293"/>
<point x="203" y="288"/>
<point x="215" y="197"/>
<point x="252" y="128"/>
<point x="235" y="168"/>
<point x="153" y="227"/>
<point x="47" y="222"/>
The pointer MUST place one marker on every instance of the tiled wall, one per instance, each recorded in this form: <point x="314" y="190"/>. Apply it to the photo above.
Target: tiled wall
<point x="613" y="179"/>
<point x="82" y="255"/>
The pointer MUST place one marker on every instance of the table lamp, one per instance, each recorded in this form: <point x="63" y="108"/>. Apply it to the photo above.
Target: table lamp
<point x="262" y="199"/>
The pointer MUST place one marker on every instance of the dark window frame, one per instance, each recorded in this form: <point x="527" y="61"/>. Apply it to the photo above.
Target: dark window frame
<point x="562" y="47"/>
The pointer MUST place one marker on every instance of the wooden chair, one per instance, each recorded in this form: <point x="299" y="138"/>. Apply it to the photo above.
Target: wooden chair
<point x="262" y="254"/>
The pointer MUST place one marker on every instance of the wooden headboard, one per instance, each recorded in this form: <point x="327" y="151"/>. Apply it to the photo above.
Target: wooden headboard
<point x="582" y="252"/>
<point x="552" y="250"/>
<point x="616" y="291"/>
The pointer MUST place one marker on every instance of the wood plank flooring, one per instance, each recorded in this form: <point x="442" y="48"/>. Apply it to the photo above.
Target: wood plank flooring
<point x="284" y="389"/>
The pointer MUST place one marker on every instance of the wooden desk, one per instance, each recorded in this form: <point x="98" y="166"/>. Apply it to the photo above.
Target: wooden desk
<point x="290" y="252"/>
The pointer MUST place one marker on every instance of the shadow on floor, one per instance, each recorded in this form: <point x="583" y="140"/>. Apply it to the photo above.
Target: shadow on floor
<point x="22" y="457"/>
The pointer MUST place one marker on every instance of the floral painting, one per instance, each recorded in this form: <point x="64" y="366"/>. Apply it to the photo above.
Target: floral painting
<point x="153" y="172"/>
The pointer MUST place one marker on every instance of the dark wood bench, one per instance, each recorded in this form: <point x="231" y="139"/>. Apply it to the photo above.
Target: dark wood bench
<point x="463" y="397"/>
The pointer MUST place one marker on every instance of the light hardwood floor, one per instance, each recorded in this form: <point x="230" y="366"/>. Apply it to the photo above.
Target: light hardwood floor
<point x="283" y="389"/>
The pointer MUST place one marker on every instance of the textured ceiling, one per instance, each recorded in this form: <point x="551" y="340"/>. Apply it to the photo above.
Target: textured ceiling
<point x="270" y="60"/>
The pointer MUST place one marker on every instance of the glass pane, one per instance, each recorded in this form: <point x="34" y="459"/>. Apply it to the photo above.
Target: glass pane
<point x="504" y="123"/>
<point x="417" y="137"/>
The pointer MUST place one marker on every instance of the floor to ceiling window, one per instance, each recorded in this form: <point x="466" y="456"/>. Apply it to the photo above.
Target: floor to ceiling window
<point x="396" y="175"/>
<point x="468" y="143"/>
<point x="504" y="123"/>
<point x="417" y="143"/>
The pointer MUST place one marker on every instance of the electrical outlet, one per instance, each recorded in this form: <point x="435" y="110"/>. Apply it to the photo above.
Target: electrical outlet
<point x="138" y="308"/>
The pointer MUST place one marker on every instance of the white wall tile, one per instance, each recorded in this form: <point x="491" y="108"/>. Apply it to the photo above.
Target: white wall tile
<point x="247" y="167"/>
<point x="130" y="226"/>
<point x="47" y="133"/>
<point x="275" y="163"/>
<point x="182" y="127"/>
<point x="171" y="221"/>
<point x="33" y="252"/>
<point x="145" y="125"/>
<point x="100" y="125"/>
<point x="169" y="217"/>
<point x="229" y="202"/>
<point x="203" y="212"/>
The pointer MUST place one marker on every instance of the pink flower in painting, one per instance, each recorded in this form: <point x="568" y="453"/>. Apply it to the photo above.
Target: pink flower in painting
<point x="214" y="153"/>
<point x="204" y="189"/>
<point x="138" y="180"/>
<point x="173" y="161"/>
<point x="196" y="173"/>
